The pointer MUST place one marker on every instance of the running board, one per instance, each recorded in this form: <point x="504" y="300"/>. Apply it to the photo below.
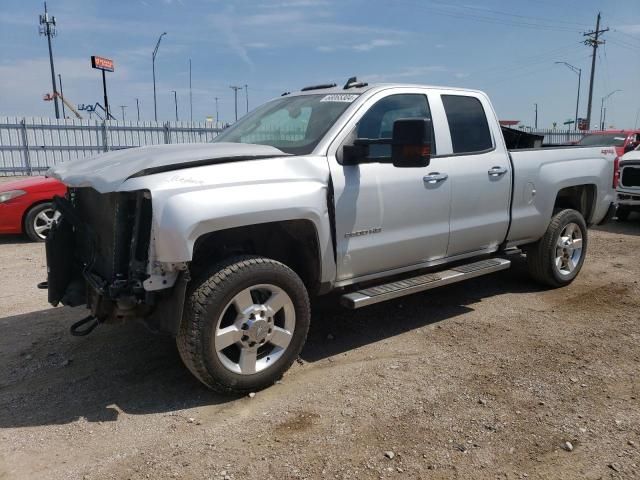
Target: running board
<point x="389" y="291"/>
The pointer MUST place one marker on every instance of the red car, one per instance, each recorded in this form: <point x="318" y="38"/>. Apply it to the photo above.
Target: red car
<point x="622" y="140"/>
<point x="25" y="206"/>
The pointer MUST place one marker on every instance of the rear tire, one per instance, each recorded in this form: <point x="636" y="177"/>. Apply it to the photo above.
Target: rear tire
<point x="556" y="259"/>
<point x="244" y="324"/>
<point x="622" y="214"/>
<point x="38" y="221"/>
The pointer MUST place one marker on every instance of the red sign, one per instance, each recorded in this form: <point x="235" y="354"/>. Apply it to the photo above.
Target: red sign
<point x="102" y="63"/>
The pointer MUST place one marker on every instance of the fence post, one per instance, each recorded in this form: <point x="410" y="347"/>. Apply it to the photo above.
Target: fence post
<point x="25" y="142"/>
<point x="167" y="134"/>
<point x="105" y="136"/>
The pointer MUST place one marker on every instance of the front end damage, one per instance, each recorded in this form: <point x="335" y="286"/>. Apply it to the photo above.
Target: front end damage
<point x="99" y="254"/>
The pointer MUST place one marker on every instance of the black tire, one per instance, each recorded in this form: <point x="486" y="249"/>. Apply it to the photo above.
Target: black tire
<point x="206" y="304"/>
<point x="541" y="256"/>
<point x="32" y="221"/>
<point x="622" y="214"/>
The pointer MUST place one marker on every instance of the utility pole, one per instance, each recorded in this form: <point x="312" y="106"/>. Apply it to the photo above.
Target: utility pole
<point x="48" y="29"/>
<point x="536" y="121"/>
<point x="138" y="108"/>
<point x="123" y="107"/>
<point x="235" y="97"/>
<point x="577" y="71"/>
<point x="593" y="41"/>
<point x="153" y="66"/>
<point x="190" y="94"/>
<point x="64" y="114"/>
<point x="217" y="118"/>
<point x="246" y="95"/>
<point x="175" y="101"/>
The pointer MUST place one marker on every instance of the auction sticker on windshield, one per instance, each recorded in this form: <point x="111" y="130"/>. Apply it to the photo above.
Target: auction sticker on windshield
<point x="337" y="97"/>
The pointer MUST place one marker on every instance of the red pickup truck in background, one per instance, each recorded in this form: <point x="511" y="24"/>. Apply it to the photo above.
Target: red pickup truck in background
<point x="622" y="140"/>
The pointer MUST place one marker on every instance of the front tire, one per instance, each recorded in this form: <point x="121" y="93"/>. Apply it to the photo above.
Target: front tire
<point x="38" y="221"/>
<point x="245" y="322"/>
<point x="556" y="259"/>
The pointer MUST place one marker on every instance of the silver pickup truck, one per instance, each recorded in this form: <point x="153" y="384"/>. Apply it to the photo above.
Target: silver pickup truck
<point x="373" y="192"/>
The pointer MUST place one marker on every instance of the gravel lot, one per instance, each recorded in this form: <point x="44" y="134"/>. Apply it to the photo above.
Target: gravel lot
<point x="485" y="379"/>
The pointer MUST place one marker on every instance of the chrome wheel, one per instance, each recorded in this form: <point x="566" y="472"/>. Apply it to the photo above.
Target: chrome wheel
<point x="43" y="221"/>
<point x="254" y="329"/>
<point x="569" y="249"/>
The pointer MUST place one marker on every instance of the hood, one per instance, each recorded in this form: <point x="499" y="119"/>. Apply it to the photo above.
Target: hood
<point x="106" y="172"/>
<point x="30" y="183"/>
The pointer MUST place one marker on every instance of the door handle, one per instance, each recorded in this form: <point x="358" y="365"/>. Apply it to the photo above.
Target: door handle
<point x="497" y="171"/>
<point x="435" y="177"/>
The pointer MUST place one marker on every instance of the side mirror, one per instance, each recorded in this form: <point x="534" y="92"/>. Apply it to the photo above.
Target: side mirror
<point x="354" y="154"/>
<point x="411" y="143"/>
<point x="630" y="146"/>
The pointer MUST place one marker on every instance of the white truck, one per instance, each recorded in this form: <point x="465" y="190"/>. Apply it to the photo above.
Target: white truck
<point x="373" y="192"/>
<point x="629" y="184"/>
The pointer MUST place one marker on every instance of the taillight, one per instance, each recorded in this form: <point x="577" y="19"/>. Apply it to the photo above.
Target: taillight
<point x="616" y="172"/>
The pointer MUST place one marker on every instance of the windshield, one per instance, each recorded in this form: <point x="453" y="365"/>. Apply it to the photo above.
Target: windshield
<point x="292" y="124"/>
<point x="609" y="140"/>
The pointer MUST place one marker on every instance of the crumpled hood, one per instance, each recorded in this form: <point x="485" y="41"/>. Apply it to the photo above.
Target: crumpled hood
<point x="106" y="172"/>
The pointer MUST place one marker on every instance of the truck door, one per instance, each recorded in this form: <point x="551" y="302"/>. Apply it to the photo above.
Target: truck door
<point x="388" y="218"/>
<point x="480" y="174"/>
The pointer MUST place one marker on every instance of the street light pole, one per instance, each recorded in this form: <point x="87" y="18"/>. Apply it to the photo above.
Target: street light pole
<point x="235" y="98"/>
<point x="153" y="67"/>
<point x="577" y="71"/>
<point x="603" y="110"/>
<point x="138" y="108"/>
<point x="536" y="121"/>
<point x="123" y="107"/>
<point x="190" y="94"/>
<point x="217" y="117"/>
<point x="175" y="101"/>
<point x="246" y="95"/>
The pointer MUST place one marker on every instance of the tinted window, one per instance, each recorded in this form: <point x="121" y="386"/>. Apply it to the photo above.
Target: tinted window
<point x="603" y="140"/>
<point x="467" y="124"/>
<point x="378" y="121"/>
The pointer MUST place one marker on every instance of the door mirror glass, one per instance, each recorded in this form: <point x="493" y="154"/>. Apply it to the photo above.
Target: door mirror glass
<point x="411" y="143"/>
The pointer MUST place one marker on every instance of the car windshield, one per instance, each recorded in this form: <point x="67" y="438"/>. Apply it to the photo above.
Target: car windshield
<point x="292" y="124"/>
<point x="605" y="140"/>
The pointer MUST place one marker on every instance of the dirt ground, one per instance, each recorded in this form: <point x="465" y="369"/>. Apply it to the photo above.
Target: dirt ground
<point x="485" y="379"/>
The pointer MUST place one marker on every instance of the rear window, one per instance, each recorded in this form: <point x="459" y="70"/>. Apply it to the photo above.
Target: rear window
<point x="467" y="123"/>
<point x="604" y="140"/>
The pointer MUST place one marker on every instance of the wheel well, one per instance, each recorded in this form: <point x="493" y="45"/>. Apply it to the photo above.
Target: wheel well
<point x="579" y="197"/>
<point x="292" y="242"/>
<point x="27" y="210"/>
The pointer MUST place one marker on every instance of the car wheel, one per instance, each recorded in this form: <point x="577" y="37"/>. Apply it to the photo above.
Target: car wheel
<point x="244" y="324"/>
<point x="622" y="214"/>
<point x="556" y="259"/>
<point x="38" y="221"/>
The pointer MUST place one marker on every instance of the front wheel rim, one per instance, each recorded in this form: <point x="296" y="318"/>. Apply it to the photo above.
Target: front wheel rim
<point x="43" y="221"/>
<point x="254" y="329"/>
<point x="569" y="249"/>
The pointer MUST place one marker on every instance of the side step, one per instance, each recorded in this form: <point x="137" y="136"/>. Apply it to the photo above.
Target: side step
<point x="389" y="291"/>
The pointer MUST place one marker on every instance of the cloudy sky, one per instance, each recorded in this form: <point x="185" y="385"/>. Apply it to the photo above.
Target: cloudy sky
<point x="507" y="48"/>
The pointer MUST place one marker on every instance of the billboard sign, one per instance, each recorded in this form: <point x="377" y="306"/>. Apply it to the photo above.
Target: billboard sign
<point x="102" y="63"/>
